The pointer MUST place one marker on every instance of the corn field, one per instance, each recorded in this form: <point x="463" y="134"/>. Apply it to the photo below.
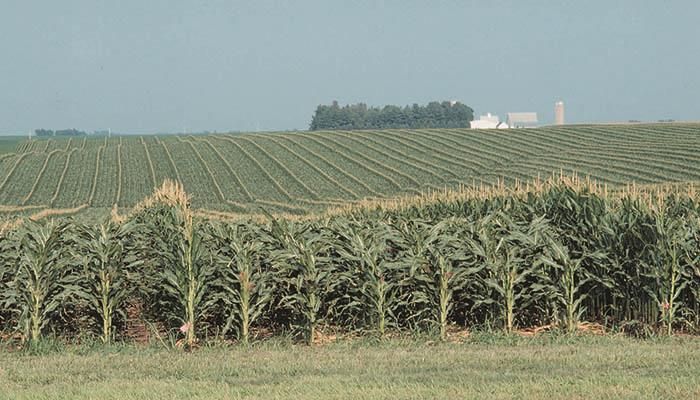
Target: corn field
<point x="305" y="172"/>
<point x="558" y="255"/>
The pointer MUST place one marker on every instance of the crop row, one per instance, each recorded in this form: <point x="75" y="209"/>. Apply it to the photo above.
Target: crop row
<point x="331" y="166"/>
<point x="39" y="176"/>
<point x="310" y="171"/>
<point x="319" y="178"/>
<point x="227" y="175"/>
<point x="562" y="256"/>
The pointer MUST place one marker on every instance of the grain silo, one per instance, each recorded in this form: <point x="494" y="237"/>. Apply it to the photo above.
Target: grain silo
<point x="559" y="113"/>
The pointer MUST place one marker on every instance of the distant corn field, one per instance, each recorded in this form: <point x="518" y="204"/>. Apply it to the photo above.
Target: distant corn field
<point x="296" y="173"/>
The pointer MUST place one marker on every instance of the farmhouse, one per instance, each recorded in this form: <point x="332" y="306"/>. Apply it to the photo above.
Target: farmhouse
<point x="488" y="121"/>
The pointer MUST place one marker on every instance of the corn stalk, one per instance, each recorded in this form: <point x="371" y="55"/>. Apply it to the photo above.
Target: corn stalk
<point x="438" y="268"/>
<point x="508" y="250"/>
<point x="109" y="262"/>
<point x="570" y="280"/>
<point x="245" y="287"/>
<point x="365" y="248"/>
<point x="671" y="269"/>
<point x="187" y="269"/>
<point x="8" y="261"/>
<point x="43" y="280"/>
<point x="304" y="272"/>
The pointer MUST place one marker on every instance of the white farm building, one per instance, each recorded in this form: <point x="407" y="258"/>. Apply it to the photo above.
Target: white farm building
<point x="488" y="121"/>
<point x="522" y="119"/>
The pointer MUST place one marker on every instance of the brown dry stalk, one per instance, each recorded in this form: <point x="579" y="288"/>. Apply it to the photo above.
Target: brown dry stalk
<point x="170" y="193"/>
<point x="9" y="225"/>
<point x="115" y="216"/>
<point x="173" y="193"/>
<point x="13" y="209"/>
<point x="53" y="212"/>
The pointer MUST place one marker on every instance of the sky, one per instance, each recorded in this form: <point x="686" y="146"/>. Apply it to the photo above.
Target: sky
<point x="174" y="66"/>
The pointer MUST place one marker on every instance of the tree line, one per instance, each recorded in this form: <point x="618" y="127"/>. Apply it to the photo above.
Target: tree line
<point x="435" y="114"/>
<point x="58" y="132"/>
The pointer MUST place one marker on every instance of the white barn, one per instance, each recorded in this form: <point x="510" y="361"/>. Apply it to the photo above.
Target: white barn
<point x="522" y="119"/>
<point x="487" y="121"/>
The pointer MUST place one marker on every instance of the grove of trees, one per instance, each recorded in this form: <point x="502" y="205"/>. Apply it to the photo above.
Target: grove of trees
<point x="60" y="132"/>
<point x="359" y="116"/>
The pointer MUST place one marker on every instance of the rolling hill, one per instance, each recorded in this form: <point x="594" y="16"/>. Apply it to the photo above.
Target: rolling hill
<point x="308" y="171"/>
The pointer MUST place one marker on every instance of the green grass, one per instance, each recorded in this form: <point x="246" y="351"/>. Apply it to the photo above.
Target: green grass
<point x="310" y="171"/>
<point x="540" y="368"/>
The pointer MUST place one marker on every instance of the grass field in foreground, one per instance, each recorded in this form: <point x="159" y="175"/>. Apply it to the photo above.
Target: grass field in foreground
<point x="532" y="368"/>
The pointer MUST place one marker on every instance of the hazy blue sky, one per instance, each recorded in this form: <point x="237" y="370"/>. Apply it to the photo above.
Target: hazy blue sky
<point x="147" y="66"/>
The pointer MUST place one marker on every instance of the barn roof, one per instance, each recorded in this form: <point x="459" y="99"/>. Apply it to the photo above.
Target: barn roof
<point x="522" y="117"/>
